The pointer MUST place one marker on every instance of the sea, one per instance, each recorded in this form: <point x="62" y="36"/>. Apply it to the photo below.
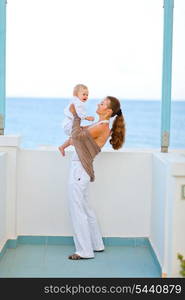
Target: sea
<point x="39" y="122"/>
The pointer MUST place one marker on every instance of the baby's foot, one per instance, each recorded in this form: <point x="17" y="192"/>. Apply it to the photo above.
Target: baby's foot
<point x="61" y="148"/>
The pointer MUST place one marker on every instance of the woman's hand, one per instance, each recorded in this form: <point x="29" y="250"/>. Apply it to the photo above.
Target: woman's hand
<point x="72" y="109"/>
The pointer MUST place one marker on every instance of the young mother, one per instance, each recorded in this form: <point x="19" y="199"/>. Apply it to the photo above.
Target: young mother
<point x="88" y="142"/>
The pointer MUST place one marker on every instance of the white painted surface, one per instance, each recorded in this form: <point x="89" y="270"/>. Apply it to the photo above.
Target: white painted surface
<point x="158" y="207"/>
<point x="3" y="236"/>
<point x="120" y="195"/>
<point x="178" y="244"/>
<point x="122" y="192"/>
<point x="9" y="145"/>
<point x="42" y="205"/>
<point x="168" y="210"/>
<point x="136" y="194"/>
<point x="10" y="140"/>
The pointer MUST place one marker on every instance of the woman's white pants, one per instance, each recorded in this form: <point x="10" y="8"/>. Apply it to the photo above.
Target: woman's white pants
<point x="86" y="232"/>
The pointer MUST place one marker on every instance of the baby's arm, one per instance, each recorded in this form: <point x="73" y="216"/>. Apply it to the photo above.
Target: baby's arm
<point x="81" y="112"/>
<point x="84" y="127"/>
<point x="89" y="118"/>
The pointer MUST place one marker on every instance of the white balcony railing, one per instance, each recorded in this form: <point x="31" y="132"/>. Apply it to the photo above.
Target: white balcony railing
<point x="137" y="193"/>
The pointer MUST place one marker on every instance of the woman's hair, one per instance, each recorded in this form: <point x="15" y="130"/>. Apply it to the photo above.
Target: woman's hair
<point x="78" y="87"/>
<point x="118" y="127"/>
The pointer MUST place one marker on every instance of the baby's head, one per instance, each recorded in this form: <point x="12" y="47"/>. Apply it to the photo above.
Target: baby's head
<point x="81" y="91"/>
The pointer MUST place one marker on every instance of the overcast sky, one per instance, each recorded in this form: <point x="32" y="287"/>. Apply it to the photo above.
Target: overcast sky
<point x="112" y="46"/>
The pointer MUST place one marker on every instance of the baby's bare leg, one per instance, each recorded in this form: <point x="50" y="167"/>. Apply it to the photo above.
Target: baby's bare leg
<point x="65" y="145"/>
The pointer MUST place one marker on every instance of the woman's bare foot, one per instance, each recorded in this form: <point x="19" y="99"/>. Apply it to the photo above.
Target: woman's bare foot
<point x="61" y="148"/>
<point x="74" y="256"/>
<point x="77" y="257"/>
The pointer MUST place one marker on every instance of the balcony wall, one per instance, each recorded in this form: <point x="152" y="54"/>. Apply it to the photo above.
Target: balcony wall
<point x="120" y="195"/>
<point x="3" y="227"/>
<point x="137" y="193"/>
<point x="168" y="210"/>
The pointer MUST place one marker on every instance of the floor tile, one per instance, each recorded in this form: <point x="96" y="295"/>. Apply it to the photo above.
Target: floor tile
<point x="52" y="261"/>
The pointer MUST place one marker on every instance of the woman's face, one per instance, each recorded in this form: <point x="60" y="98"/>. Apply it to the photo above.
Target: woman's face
<point x="103" y="108"/>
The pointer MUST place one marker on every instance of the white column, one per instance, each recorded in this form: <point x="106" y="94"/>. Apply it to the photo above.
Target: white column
<point x="10" y="146"/>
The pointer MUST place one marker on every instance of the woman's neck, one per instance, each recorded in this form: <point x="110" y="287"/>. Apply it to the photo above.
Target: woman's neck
<point x="102" y="118"/>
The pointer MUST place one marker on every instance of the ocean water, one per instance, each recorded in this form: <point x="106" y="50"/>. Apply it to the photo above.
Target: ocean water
<point x="38" y="121"/>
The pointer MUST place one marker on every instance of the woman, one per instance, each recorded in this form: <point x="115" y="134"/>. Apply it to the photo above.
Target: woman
<point x="88" y="142"/>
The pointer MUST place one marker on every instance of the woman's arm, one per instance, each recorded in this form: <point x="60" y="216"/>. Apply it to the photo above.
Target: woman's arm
<point x="77" y="130"/>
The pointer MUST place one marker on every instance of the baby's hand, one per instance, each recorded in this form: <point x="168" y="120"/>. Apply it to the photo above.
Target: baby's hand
<point x="89" y="118"/>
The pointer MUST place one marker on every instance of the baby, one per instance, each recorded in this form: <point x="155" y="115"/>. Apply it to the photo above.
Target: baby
<point x="80" y="96"/>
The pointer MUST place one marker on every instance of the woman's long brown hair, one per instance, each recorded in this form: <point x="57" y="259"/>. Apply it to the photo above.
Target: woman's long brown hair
<point x="118" y="127"/>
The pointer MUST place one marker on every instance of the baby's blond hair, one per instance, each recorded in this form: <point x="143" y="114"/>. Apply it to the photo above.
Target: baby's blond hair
<point x="79" y="87"/>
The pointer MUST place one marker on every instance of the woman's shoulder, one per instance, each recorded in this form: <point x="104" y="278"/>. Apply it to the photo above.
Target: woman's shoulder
<point x="99" y="125"/>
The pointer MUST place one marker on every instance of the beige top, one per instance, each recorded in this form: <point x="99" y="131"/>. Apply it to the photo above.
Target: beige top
<point x="85" y="146"/>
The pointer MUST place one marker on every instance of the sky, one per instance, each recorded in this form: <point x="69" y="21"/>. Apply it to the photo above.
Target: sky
<point x="112" y="46"/>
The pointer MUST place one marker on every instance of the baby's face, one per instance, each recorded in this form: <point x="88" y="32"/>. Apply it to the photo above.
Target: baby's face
<point x="83" y="95"/>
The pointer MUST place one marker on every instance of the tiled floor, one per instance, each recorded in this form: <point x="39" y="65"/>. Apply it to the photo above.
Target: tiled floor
<point x="52" y="261"/>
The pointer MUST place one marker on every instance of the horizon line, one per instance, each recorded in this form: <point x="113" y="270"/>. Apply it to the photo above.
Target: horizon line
<point x="98" y="98"/>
